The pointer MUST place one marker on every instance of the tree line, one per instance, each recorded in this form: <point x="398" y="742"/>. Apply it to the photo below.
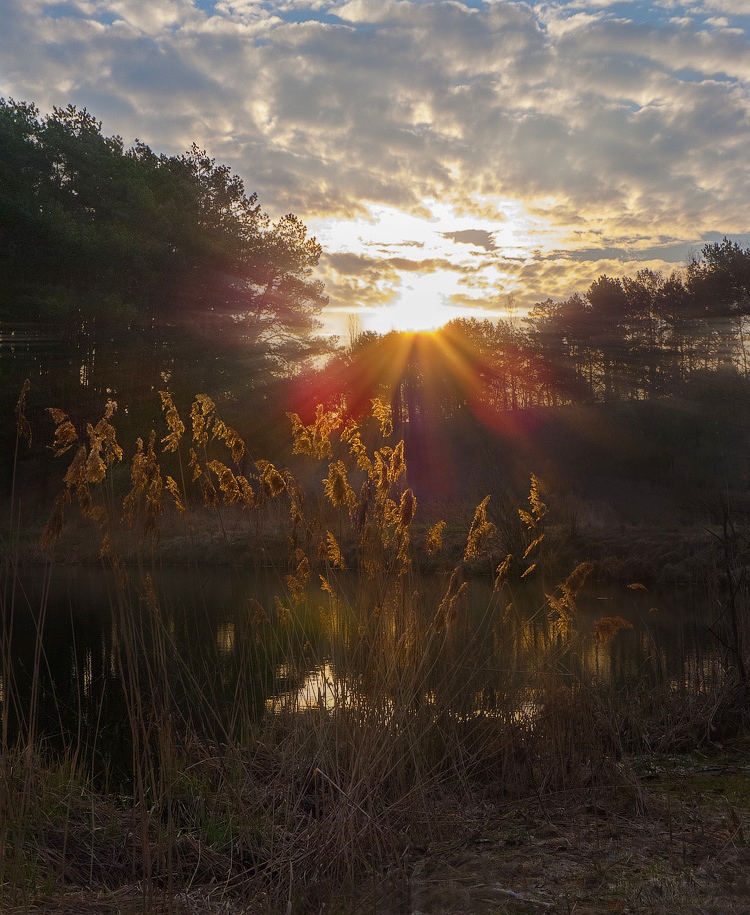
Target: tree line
<point x="126" y="271"/>
<point x="630" y="338"/>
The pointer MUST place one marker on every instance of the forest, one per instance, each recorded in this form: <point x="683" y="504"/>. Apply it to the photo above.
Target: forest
<point x="292" y="623"/>
<point x="128" y="272"/>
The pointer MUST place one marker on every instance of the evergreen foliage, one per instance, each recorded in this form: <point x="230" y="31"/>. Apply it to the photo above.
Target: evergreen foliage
<point x="158" y="264"/>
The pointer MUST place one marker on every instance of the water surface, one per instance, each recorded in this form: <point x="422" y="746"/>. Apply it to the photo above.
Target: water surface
<point x="232" y="646"/>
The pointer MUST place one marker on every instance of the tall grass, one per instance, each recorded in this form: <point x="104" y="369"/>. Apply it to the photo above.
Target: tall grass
<point x="263" y="789"/>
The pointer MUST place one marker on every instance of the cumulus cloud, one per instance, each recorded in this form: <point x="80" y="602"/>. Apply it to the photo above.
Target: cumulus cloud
<point x="478" y="237"/>
<point x="604" y="128"/>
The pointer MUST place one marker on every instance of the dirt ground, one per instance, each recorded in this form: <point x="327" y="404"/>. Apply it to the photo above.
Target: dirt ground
<point x="678" y="845"/>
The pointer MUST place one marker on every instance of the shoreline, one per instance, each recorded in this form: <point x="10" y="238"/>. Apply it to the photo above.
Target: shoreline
<point x="650" y="554"/>
<point x="672" y="838"/>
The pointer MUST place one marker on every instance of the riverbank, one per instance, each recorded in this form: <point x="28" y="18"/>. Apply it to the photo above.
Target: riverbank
<point x="673" y="838"/>
<point x="621" y="553"/>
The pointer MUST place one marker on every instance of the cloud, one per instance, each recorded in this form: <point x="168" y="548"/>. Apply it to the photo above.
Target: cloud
<point x="477" y="237"/>
<point x="603" y="128"/>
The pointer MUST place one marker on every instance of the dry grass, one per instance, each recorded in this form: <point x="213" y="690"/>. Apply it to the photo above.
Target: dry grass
<point x="670" y="849"/>
<point x="423" y="713"/>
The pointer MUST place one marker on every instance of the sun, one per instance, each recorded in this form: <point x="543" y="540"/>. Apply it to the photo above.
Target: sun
<point x="421" y="306"/>
<point x="416" y="271"/>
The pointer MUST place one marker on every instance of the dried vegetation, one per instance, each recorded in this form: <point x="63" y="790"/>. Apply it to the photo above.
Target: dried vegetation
<point x="428" y="734"/>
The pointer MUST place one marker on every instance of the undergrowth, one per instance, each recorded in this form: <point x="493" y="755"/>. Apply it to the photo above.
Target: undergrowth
<point x="348" y="714"/>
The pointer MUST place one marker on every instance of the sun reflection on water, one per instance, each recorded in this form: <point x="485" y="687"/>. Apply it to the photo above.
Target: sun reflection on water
<point x="320" y="689"/>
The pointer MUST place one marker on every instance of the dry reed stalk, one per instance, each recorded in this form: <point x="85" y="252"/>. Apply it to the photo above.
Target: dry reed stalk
<point x="421" y="703"/>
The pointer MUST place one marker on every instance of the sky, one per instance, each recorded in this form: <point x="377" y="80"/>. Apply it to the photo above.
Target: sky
<point x="453" y="157"/>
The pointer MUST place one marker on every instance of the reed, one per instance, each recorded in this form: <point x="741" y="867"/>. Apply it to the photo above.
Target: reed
<point x="247" y="778"/>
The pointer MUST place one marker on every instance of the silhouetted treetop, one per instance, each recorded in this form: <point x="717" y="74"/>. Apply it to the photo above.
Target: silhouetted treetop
<point x="720" y="278"/>
<point x="89" y="229"/>
<point x="144" y="271"/>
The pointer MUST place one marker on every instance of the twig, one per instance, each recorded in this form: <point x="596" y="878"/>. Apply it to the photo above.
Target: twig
<point x="520" y="898"/>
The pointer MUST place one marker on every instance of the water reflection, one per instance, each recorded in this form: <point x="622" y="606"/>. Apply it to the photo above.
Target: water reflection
<point x="78" y="647"/>
<point x="320" y="689"/>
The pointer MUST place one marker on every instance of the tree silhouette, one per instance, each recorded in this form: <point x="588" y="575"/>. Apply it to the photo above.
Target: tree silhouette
<point x="147" y="270"/>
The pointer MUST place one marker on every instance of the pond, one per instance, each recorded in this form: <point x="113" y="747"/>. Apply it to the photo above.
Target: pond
<point x="222" y="647"/>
